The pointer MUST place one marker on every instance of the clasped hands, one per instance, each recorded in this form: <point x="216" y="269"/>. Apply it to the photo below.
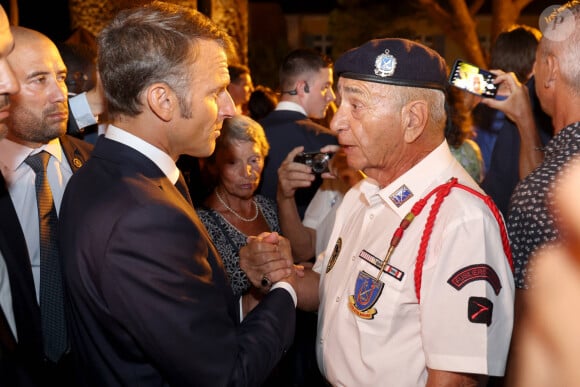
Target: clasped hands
<point x="267" y="259"/>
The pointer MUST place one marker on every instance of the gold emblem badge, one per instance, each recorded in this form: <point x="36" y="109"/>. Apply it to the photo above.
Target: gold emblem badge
<point x="334" y="255"/>
<point x="77" y="162"/>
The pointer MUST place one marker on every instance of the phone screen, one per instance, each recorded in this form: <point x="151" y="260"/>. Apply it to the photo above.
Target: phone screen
<point x="471" y="78"/>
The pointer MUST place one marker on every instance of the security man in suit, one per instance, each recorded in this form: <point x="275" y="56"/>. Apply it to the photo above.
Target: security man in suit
<point x="37" y="123"/>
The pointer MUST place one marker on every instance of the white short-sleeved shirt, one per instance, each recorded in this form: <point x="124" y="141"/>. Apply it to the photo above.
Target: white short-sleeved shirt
<point x="377" y="332"/>
<point x="321" y="211"/>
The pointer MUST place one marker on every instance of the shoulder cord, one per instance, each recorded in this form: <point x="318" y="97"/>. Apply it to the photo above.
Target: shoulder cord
<point x="440" y="193"/>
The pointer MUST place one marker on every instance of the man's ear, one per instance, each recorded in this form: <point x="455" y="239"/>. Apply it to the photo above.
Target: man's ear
<point x="415" y="116"/>
<point x="553" y="70"/>
<point x="162" y="101"/>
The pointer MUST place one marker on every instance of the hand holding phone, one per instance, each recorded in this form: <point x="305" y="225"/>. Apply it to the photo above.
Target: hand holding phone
<point x="471" y="78"/>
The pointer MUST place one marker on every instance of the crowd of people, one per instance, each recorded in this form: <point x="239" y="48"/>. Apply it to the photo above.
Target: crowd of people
<point x="165" y="222"/>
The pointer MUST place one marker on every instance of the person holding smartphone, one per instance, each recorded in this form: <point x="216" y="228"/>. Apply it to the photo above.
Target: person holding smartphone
<point x="530" y="221"/>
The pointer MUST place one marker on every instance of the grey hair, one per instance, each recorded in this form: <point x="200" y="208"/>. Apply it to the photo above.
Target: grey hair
<point x="150" y="44"/>
<point x="402" y="95"/>
<point x="567" y="51"/>
<point x="242" y="128"/>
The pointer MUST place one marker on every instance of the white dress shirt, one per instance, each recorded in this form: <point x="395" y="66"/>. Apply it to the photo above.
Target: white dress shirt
<point x="20" y="180"/>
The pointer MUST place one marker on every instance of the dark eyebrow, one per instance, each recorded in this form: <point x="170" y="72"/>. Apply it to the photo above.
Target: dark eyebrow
<point x="36" y="74"/>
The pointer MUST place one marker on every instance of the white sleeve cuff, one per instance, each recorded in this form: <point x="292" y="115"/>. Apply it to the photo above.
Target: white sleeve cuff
<point x="288" y="288"/>
<point x="81" y="110"/>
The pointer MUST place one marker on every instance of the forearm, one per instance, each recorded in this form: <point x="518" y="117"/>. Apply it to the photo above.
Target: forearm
<point x="531" y="154"/>
<point x="438" y="378"/>
<point x="307" y="291"/>
<point x="302" y="238"/>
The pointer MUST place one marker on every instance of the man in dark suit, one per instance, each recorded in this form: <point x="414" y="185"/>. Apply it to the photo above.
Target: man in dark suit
<point x="37" y="122"/>
<point x="306" y="93"/>
<point x="150" y="301"/>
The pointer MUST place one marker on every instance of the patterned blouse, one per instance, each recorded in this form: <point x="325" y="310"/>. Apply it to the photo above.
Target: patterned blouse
<point x="228" y="240"/>
<point x="530" y="223"/>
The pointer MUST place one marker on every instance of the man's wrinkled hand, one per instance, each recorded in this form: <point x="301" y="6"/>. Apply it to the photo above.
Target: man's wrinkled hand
<point x="267" y="259"/>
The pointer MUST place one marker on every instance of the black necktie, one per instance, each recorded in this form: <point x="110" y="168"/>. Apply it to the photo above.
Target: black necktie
<point x="51" y="283"/>
<point x="182" y="187"/>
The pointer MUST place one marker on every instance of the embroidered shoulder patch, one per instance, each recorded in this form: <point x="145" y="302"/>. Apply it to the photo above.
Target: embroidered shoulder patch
<point x="481" y="272"/>
<point x="480" y="310"/>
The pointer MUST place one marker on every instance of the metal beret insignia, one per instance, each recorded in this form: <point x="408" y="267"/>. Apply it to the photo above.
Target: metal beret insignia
<point x="385" y="64"/>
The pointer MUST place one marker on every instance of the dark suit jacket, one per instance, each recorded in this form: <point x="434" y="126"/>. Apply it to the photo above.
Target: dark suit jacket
<point x="285" y="130"/>
<point x="27" y="360"/>
<point x="150" y="300"/>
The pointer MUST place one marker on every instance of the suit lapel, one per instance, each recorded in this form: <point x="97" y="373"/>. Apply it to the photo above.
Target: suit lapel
<point x="130" y="159"/>
<point x="75" y="155"/>
<point x="15" y="252"/>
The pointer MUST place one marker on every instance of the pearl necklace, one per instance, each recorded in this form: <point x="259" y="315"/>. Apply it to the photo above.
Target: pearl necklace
<point x="234" y="212"/>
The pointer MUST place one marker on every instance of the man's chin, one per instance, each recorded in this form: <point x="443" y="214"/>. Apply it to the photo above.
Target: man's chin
<point x="55" y="132"/>
<point x="61" y="131"/>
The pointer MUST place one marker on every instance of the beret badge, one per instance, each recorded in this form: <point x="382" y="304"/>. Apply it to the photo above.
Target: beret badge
<point x="385" y="64"/>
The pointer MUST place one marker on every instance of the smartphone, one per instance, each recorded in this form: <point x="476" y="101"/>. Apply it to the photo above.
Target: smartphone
<point x="471" y="78"/>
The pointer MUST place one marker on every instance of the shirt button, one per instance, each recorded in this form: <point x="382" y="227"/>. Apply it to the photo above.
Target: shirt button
<point x="372" y="216"/>
<point x="338" y="299"/>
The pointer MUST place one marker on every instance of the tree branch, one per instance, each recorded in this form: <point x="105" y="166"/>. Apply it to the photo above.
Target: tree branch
<point x="475" y="7"/>
<point x="435" y="10"/>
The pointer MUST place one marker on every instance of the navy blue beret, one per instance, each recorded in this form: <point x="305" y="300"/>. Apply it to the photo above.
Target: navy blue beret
<point x="396" y="62"/>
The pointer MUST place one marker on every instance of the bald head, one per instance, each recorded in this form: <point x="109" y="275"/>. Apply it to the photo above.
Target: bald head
<point x="23" y="35"/>
<point x="39" y="113"/>
<point x="8" y="83"/>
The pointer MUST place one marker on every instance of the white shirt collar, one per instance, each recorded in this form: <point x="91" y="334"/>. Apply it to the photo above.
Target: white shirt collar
<point x="289" y="105"/>
<point x="13" y="154"/>
<point x="417" y="180"/>
<point x="160" y="158"/>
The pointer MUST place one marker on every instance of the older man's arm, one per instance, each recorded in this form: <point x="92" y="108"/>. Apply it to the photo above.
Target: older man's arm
<point x="292" y="176"/>
<point x="518" y="108"/>
<point x="438" y="378"/>
<point x="269" y="255"/>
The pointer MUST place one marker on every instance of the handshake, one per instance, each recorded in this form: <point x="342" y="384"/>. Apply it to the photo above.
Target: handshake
<point x="267" y="259"/>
